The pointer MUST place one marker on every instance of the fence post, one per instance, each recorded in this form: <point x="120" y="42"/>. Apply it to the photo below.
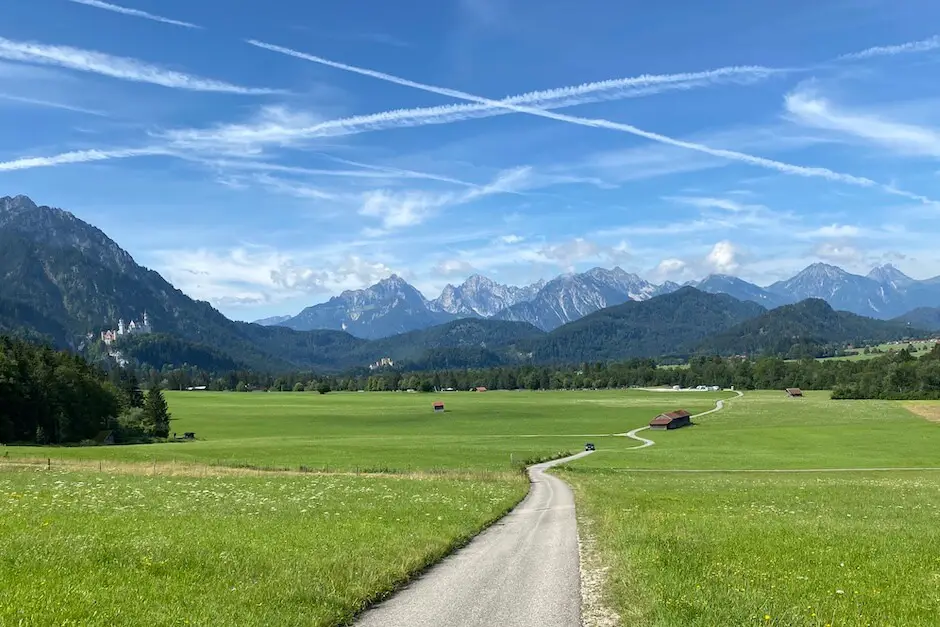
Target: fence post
<point x="48" y="463"/>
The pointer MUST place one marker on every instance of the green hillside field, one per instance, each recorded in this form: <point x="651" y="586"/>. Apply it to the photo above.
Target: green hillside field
<point x="775" y="511"/>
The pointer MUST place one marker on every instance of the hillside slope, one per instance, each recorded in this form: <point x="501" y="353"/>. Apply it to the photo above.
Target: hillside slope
<point x="671" y="324"/>
<point x="808" y="328"/>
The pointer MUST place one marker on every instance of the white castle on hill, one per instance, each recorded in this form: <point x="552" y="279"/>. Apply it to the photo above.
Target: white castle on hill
<point x="132" y="328"/>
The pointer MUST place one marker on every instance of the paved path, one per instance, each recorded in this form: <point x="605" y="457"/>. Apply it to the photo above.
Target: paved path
<point x="524" y="571"/>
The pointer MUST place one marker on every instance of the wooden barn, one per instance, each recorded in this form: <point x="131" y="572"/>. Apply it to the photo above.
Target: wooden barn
<point x="794" y="392"/>
<point x="438" y="406"/>
<point x="671" y="420"/>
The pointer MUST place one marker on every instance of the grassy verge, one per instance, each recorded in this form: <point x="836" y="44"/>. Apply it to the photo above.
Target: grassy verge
<point x="125" y="548"/>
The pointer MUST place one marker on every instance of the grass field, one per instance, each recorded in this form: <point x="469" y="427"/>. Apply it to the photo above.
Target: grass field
<point x="387" y="431"/>
<point x="694" y="529"/>
<point x="726" y="547"/>
<point x="130" y="549"/>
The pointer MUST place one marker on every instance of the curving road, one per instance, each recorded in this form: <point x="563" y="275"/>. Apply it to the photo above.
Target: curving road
<point x="523" y="571"/>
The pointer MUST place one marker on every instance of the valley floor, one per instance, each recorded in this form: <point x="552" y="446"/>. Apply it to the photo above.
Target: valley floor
<point x="754" y="530"/>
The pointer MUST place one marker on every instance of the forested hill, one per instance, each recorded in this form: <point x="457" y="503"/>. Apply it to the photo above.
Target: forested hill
<point x="470" y="342"/>
<point x="810" y="328"/>
<point x="672" y="324"/>
<point x="922" y="318"/>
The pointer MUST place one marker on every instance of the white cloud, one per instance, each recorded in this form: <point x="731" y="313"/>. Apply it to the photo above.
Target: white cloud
<point x="133" y="12"/>
<point x="732" y="155"/>
<point x="807" y="108"/>
<point x="723" y="258"/>
<point x="671" y="269"/>
<point x="409" y="208"/>
<point x="511" y="239"/>
<point x="568" y="254"/>
<point x="839" y="253"/>
<point x="725" y="204"/>
<point x="255" y="275"/>
<point x="450" y="267"/>
<point x="401" y="209"/>
<point x="123" y="68"/>
<point x="833" y="231"/>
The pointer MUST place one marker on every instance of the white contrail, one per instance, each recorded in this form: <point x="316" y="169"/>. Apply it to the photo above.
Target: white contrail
<point x="924" y="45"/>
<point x="77" y="156"/>
<point x="52" y="105"/>
<point x="115" y="67"/>
<point x="239" y="136"/>
<point x="771" y="164"/>
<point x="134" y="13"/>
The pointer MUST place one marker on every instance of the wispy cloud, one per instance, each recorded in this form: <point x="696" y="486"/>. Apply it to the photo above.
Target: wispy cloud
<point x="123" y="68"/>
<point x="809" y="109"/>
<point x="133" y="13"/>
<point x="725" y="204"/>
<point x="770" y="164"/>
<point x="830" y="231"/>
<point x="396" y="210"/>
<point x="924" y="45"/>
<point x="77" y="156"/>
<point x="51" y="105"/>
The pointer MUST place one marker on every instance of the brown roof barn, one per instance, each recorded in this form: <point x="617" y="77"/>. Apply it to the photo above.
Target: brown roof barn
<point x="794" y="392"/>
<point x="671" y="420"/>
<point x="438" y="406"/>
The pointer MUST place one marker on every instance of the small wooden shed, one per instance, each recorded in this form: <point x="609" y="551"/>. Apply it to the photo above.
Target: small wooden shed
<point x="794" y="392"/>
<point x="438" y="406"/>
<point x="671" y="420"/>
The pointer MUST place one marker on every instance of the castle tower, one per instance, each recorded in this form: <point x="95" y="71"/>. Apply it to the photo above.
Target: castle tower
<point x="121" y="329"/>
<point x="146" y="326"/>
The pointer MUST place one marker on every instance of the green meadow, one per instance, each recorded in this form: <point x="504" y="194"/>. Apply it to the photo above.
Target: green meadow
<point x="774" y="511"/>
<point x="103" y="548"/>
<point x="757" y="515"/>
<point x="396" y="432"/>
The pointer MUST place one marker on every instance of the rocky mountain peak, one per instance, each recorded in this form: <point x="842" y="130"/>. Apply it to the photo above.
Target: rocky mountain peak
<point x="889" y="275"/>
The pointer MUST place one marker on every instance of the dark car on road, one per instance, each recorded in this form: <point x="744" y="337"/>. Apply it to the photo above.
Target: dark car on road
<point x="588" y="447"/>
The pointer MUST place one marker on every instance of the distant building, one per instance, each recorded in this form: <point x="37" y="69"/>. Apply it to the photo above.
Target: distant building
<point x="438" y="406"/>
<point x="385" y="362"/>
<point x="794" y="392"/>
<point x="480" y="389"/>
<point x="132" y="328"/>
<point x="671" y="420"/>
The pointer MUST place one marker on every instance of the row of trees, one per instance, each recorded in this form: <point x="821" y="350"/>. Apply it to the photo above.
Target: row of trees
<point x="49" y="397"/>
<point x="895" y="375"/>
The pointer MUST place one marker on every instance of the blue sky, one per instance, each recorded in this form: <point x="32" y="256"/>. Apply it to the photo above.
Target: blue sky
<point x="269" y="155"/>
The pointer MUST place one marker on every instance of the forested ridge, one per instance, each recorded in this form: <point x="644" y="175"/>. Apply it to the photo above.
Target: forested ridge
<point x="56" y="397"/>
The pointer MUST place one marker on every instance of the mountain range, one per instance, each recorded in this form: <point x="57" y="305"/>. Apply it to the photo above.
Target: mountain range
<point x="393" y="306"/>
<point x="64" y="281"/>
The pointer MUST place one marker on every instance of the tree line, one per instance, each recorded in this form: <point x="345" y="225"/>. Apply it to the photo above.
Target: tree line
<point x="55" y="397"/>
<point x="897" y="375"/>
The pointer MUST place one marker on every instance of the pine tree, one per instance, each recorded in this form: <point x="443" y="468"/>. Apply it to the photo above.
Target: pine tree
<point x="131" y="388"/>
<point x="156" y="414"/>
